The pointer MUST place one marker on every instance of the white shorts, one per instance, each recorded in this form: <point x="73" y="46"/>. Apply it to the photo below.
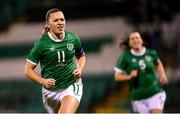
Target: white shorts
<point x="145" y="105"/>
<point x="52" y="99"/>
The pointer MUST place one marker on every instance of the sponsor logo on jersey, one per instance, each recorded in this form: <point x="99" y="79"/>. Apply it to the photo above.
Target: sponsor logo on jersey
<point x="52" y="49"/>
<point x="70" y="46"/>
<point x="148" y="58"/>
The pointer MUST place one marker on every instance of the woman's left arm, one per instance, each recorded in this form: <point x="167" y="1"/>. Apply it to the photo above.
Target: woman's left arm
<point x="161" y="73"/>
<point x="80" y="65"/>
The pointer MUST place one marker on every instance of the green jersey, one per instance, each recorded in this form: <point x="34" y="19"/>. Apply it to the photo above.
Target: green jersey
<point x="57" y="58"/>
<point x="146" y="83"/>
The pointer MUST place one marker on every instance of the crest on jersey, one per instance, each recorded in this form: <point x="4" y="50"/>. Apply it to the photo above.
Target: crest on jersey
<point x="148" y="58"/>
<point x="70" y="46"/>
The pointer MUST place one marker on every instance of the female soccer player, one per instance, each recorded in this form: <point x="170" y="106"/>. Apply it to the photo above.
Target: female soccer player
<point x="138" y="65"/>
<point x="62" y="60"/>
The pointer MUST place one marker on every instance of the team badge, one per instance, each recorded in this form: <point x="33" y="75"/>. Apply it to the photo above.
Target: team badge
<point x="70" y="46"/>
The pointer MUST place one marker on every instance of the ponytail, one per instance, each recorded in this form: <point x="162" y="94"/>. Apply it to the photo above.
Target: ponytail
<point x="45" y="30"/>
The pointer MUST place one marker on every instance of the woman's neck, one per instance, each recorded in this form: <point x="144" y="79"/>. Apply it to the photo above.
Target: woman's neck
<point x="58" y="36"/>
<point x="138" y="50"/>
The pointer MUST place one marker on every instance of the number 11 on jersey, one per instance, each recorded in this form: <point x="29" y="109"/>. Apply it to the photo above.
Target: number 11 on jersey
<point x="61" y="56"/>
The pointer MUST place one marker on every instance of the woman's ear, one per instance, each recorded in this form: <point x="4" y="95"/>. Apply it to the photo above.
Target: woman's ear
<point x="46" y="25"/>
<point x="46" y="28"/>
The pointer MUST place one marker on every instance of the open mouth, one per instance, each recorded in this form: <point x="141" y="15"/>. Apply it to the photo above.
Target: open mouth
<point x="60" y="28"/>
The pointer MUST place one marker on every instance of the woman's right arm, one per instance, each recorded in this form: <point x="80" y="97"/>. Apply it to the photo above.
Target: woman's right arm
<point x="33" y="75"/>
<point x="125" y="77"/>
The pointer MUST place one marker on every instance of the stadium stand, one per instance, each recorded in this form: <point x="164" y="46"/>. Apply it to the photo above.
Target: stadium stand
<point x="101" y="28"/>
<point x="97" y="78"/>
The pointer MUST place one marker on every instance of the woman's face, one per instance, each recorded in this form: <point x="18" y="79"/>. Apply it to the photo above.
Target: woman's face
<point x="135" y="41"/>
<point x="56" y="22"/>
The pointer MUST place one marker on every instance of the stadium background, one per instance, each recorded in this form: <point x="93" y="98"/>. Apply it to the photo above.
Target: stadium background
<point x="100" y="24"/>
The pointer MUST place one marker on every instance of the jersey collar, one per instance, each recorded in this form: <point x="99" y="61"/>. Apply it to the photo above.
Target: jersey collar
<point x="56" y="40"/>
<point x="140" y="53"/>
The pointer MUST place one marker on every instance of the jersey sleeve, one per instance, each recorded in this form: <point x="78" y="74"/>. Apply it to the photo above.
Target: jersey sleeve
<point x="34" y="55"/>
<point x="78" y="48"/>
<point x="155" y="57"/>
<point x="121" y="64"/>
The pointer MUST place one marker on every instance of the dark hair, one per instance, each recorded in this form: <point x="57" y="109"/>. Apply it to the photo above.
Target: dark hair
<point x="49" y="12"/>
<point x="124" y="43"/>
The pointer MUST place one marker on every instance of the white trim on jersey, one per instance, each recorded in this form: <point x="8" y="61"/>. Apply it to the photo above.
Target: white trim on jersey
<point x="118" y="70"/>
<point x="31" y="61"/>
<point x="56" y="40"/>
<point x="140" y="53"/>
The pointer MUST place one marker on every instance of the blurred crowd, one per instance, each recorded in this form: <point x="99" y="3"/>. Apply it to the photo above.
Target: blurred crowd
<point x="158" y="20"/>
